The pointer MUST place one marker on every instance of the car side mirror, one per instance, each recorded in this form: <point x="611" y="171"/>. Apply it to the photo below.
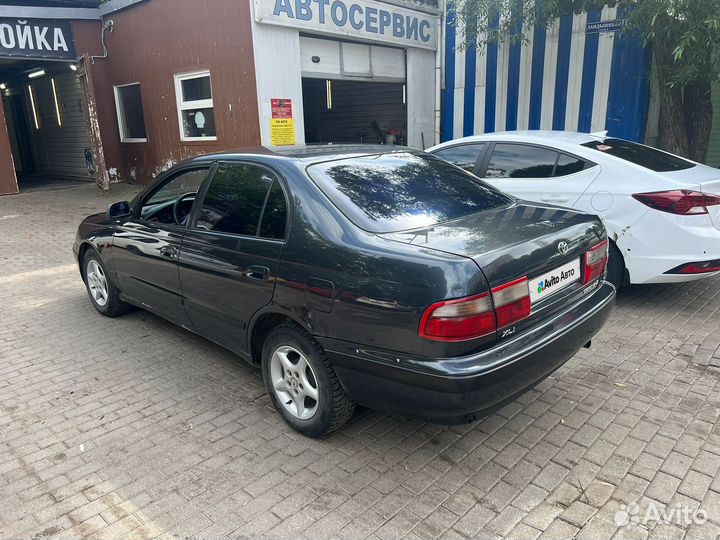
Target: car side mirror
<point x="118" y="210"/>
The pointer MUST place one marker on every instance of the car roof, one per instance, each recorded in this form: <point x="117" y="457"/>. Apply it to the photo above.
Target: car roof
<point x="309" y="154"/>
<point x="534" y="136"/>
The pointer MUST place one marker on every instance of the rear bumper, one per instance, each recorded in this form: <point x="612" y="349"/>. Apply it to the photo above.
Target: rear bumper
<point x="685" y="239"/>
<point x="457" y="390"/>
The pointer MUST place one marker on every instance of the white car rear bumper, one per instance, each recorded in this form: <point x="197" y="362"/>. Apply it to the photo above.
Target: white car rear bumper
<point x="659" y="242"/>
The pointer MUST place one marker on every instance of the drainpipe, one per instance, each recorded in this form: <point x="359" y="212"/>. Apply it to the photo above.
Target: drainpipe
<point x="439" y="68"/>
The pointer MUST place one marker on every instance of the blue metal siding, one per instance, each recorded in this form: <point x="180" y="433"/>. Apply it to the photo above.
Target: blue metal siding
<point x="606" y="73"/>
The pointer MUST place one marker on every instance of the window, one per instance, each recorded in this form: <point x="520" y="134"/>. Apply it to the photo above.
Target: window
<point x="131" y="119"/>
<point x="645" y="156"/>
<point x="195" y="106"/>
<point x="568" y="165"/>
<point x="521" y="161"/>
<point x="464" y="156"/>
<point x="401" y="191"/>
<point x="274" y="218"/>
<point x="158" y="208"/>
<point x="235" y="199"/>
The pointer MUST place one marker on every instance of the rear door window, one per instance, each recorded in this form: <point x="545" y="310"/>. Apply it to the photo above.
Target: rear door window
<point x="274" y="218"/>
<point x="521" y="161"/>
<point x="645" y="156"/>
<point x="568" y="165"/>
<point x="235" y="198"/>
<point x="464" y="156"/>
<point x="401" y="190"/>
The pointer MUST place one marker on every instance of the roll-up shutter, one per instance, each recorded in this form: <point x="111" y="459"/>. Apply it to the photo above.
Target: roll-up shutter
<point x="59" y="144"/>
<point x="329" y="59"/>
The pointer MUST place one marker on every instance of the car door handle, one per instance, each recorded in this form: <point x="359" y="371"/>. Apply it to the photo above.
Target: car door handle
<point x="260" y="273"/>
<point x="168" y="252"/>
<point x="555" y="199"/>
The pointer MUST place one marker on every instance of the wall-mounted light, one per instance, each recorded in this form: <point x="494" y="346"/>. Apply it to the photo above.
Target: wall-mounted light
<point x="32" y="106"/>
<point x="3" y="86"/>
<point x="73" y="67"/>
<point x="57" y="104"/>
<point x="404" y="94"/>
<point x="328" y="91"/>
<point x="36" y="74"/>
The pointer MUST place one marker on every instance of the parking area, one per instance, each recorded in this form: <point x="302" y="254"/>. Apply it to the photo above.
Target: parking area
<point x="134" y="428"/>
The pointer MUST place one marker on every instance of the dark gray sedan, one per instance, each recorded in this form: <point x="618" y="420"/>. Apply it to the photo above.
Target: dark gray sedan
<point x="371" y="275"/>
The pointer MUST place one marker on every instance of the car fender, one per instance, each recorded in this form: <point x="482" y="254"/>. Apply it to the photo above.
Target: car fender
<point x="102" y="244"/>
<point x="273" y="309"/>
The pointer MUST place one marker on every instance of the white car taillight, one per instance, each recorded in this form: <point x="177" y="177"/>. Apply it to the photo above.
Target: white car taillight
<point x="682" y="202"/>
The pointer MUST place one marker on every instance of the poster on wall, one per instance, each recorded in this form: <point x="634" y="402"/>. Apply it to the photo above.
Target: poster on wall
<point x="282" y="123"/>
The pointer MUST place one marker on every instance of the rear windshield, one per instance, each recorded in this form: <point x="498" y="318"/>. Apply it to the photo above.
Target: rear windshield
<point x="400" y="191"/>
<point x="645" y="156"/>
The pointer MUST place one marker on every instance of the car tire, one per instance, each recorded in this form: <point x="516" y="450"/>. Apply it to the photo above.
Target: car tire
<point x="616" y="267"/>
<point x="295" y="367"/>
<point x="100" y="288"/>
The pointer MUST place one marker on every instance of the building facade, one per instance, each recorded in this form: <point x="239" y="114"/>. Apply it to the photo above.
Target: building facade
<point x="144" y="84"/>
<point x="121" y="91"/>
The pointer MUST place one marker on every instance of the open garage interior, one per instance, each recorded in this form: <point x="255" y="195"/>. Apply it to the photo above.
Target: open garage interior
<point x="46" y="123"/>
<point x="340" y="111"/>
<point x="353" y="93"/>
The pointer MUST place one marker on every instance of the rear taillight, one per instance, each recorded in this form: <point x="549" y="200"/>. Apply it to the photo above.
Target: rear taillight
<point x="682" y="202"/>
<point x="595" y="262"/>
<point x="512" y="302"/>
<point x="459" y="320"/>
<point x="474" y="316"/>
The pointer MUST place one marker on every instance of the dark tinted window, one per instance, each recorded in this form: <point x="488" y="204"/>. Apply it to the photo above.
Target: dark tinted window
<point x="399" y="191"/>
<point x="645" y="156"/>
<point x="464" y="156"/>
<point x="130" y="112"/>
<point x="521" y="161"/>
<point x="275" y="214"/>
<point x="568" y="165"/>
<point x="235" y="199"/>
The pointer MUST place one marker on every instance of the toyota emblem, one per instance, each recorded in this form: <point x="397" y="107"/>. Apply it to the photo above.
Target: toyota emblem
<point x="563" y="248"/>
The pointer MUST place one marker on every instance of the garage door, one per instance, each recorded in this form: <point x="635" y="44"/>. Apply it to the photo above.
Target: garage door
<point x="329" y="59"/>
<point x="60" y="137"/>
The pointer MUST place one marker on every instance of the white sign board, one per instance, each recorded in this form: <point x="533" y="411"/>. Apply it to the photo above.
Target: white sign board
<point x="366" y="19"/>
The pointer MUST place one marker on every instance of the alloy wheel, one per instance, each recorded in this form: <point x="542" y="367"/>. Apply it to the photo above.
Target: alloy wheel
<point x="97" y="283"/>
<point x="294" y="382"/>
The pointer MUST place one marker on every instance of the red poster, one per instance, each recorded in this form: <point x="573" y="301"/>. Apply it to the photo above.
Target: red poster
<point x="281" y="108"/>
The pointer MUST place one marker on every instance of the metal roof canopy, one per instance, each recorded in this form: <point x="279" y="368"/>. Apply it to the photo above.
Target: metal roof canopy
<point x="59" y="3"/>
<point x="51" y="9"/>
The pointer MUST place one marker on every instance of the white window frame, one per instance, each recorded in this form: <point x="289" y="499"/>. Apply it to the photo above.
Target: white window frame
<point x="197" y="104"/>
<point x="121" y="123"/>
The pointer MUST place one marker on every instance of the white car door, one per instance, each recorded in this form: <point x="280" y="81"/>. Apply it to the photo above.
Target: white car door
<point x="537" y="173"/>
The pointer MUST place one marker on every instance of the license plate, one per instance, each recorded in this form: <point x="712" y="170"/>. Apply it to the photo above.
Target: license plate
<point x="556" y="280"/>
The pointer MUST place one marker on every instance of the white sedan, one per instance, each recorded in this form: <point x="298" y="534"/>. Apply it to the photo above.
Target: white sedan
<point x="662" y="212"/>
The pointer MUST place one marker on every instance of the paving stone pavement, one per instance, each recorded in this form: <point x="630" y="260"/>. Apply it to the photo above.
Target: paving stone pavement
<point x="134" y="428"/>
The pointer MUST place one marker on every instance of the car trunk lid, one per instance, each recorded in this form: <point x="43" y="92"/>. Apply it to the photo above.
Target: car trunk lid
<point x="508" y="243"/>
<point x="545" y="244"/>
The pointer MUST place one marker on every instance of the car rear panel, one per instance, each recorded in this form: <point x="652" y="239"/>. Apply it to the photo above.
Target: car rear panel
<point x="712" y="187"/>
<point x="703" y="178"/>
<point x="524" y="240"/>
